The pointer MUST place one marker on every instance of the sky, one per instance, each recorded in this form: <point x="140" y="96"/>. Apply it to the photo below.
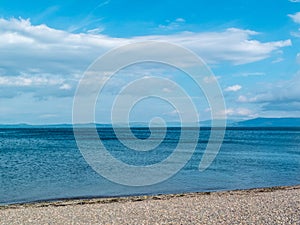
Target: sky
<point x="252" y="47"/>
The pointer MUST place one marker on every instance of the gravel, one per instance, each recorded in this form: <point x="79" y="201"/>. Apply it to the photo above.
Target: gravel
<point x="280" y="205"/>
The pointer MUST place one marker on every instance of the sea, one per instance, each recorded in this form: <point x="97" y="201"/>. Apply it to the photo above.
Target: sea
<point x="45" y="164"/>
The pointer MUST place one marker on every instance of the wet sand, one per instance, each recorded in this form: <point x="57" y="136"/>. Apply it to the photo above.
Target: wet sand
<point x="279" y="205"/>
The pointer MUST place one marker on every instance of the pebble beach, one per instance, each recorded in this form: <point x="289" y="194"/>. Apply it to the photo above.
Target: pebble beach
<point x="278" y="205"/>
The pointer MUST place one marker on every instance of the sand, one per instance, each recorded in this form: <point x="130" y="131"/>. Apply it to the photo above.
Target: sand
<point x="280" y="205"/>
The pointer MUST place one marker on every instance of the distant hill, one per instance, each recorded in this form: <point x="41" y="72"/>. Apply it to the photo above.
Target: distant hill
<point x="269" y="122"/>
<point x="208" y="123"/>
<point x="257" y="122"/>
<point x="24" y="125"/>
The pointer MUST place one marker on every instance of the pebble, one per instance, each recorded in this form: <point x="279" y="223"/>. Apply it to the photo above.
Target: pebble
<point x="258" y="206"/>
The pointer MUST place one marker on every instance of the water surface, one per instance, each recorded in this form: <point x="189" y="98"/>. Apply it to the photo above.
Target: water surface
<point x="45" y="164"/>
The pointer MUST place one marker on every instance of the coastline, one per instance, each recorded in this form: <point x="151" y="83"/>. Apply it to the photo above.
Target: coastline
<point x="264" y="205"/>
<point x="123" y="199"/>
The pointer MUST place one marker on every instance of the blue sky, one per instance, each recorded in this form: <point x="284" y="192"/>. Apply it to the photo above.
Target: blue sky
<point x="253" y="48"/>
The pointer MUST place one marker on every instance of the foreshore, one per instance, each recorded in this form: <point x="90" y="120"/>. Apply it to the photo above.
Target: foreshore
<point x="277" y="205"/>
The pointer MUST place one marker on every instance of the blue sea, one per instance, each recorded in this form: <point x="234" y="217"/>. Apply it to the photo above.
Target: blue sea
<point x="45" y="164"/>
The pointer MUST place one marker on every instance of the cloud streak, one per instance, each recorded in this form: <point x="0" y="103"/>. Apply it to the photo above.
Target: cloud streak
<point x="173" y="25"/>
<point x="233" y="88"/>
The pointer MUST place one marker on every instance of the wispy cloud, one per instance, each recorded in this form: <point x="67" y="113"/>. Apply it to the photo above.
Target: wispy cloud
<point x="295" y="1"/>
<point x="296" y="34"/>
<point x="240" y="48"/>
<point x="47" y="12"/>
<point x="245" y="99"/>
<point x="102" y="3"/>
<point x="295" y="17"/>
<point x="298" y="58"/>
<point x="233" y="88"/>
<point x="172" y="25"/>
<point x="90" y="20"/>
<point x="239" y="112"/>
<point x="209" y="80"/>
<point x="249" y="74"/>
<point x="23" y="81"/>
<point x="282" y="96"/>
<point x="278" y="60"/>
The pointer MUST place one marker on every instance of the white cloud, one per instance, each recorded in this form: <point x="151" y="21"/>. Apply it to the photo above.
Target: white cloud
<point x="283" y="96"/>
<point x="298" y="58"/>
<point x="239" y="112"/>
<point x="46" y="50"/>
<point x="90" y="21"/>
<point x="35" y="50"/>
<point x="278" y="60"/>
<point x="294" y="0"/>
<point x="96" y="30"/>
<point x="41" y="86"/>
<point x="248" y="74"/>
<point x="172" y="25"/>
<point x="245" y="99"/>
<point x="233" y="45"/>
<point x="181" y="20"/>
<point x="211" y="79"/>
<point x="242" y="98"/>
<point x="65" y="87"/>
<point x="296" y="34"/>
<point x="42" y="43"/>
<point x="244" y="112"/>
<point x="295" y="17"/>
<point x="234" y="88"/>
<point x="103" y="4"/>
<point x="22" y="81"/>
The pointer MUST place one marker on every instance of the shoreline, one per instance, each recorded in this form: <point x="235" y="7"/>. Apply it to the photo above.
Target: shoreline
<point x="275" y="205"/>
<point x="138" y="198"/>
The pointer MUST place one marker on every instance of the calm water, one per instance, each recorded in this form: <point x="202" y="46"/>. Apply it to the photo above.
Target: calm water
<point x="45" y="164"/>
